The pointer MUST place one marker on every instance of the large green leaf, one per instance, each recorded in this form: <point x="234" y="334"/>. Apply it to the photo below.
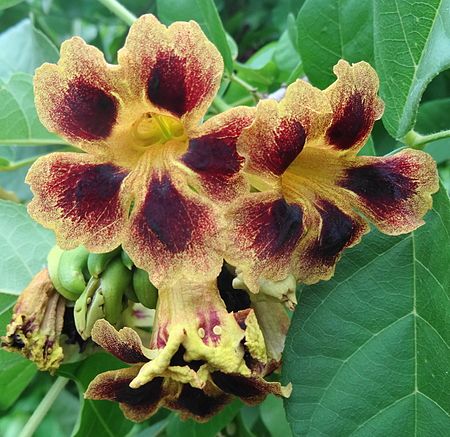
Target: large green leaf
<point x="367" y="352"/>
<point x="24" y="245"/>
<point x="24" y="48"/>
<point x="19" y="123"/>
<point x="97" y="418"/>
<point x="15" y="371"/>
<point x="4" y="4"/>
<point x="411" y="47"/>
<point x="329" y="30"/>
<point x="204" y="12"/>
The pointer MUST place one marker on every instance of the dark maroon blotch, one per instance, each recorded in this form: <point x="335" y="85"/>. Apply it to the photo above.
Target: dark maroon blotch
<point x="237" y="385"/>
<point x="88" y="190"/>
<point x="381" y="185"/>
<point x="147" y="394"/>
<point x="87" y="112"/>
<point x="338" y="230"/>
<point x="198" y="403"/>
<point x="290" y="138"/>
<point x="171" y="217"/>
<point x="171" y="86"/>
<point x="351" y="123"/>
<point x="213" y="155"/>
<point x="277" y="226"/>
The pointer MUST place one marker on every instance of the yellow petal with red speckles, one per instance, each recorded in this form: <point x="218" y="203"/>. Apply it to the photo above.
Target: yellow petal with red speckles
<point x="356" y="106"/>
<point x="176" y="68"/>
<point x="81" y="198"/>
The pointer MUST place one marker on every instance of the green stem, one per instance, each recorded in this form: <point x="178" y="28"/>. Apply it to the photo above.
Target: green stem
<point x="244" y="101"/>
<point x="248" y="87"/>
<point x="119" y="11"/>
<point x="41" y="411"/>
<point x="417" y="141"/>
<point x="220" y="105"/>
<point x="19" y="164"/>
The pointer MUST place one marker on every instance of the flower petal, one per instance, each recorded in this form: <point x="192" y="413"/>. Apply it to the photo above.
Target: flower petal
<point x="263" y="235"/>
<point x="339" y="228"/>
<point x="395" y="191"/>
<point x="124" y="344"/>
<point x="177" y="68"/>
<point x="274" y="323"/>
<point x="171" y="228"/>
<point x="356" y="106"/>
<point x="192" y="315"/>
<point x="212" y="156"/>
<point x="137" y="404"/>
<point x="252" y="390"/>
<point x="276" y="240"/>
<point x="197" y="404"/>
<point x="76" y="98"/>
<point x="80" y="198"/>
<point x="279" y="132"/>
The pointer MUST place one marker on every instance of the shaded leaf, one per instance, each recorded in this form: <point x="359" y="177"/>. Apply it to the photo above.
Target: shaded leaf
<point x="367" y="352"/>
<point x="24" y="48"/>
<point x="329" y="30"/>
<point x="16" y="372"/>
<point x="24" y="245"/>
<point x="19" y="123"/>
<point x="4" y="4"/>
<point x="411" y="47"/>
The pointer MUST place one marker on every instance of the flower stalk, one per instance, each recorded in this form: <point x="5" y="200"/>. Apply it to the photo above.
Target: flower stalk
<point x="119" y="10"/>
<point x="418" y="141"/>
<point x="41" y="411"/>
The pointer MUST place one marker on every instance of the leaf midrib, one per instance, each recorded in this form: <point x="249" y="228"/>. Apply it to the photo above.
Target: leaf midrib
<point x="415" y="317"/>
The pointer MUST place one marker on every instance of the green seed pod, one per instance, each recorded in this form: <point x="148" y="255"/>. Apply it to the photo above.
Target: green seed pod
<point x="115" y="280"/>
<point x="53" y="259"/>
<point x="70" y="271"/>
<point x="126" y="260"/>
<point x="97" y="262"/>
<point x="146" y="292"/>
<point x="131" y="295"/>
<point x="89" y="308"/>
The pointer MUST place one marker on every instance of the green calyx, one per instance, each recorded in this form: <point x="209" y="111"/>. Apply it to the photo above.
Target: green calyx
<point x="97" y="262"/>
<point x="145" y="291"/>
<point x="101" y="284"/>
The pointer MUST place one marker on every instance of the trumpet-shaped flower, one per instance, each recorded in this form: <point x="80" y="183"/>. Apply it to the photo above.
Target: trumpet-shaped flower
<point x="200" y="355"/>
<point x="151" y="177"/>
<point x="312" y="194"/>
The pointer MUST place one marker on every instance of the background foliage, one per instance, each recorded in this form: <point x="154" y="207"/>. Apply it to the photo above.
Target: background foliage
<point x="368" y="351"/>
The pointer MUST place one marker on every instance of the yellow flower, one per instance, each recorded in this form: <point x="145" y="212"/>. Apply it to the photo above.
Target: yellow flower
<point x="151" y="177"/>
<point x="311" y="193"/>
<point x="200" y="354"/>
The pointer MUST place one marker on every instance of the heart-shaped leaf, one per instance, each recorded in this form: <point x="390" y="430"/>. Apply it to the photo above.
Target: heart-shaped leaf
<point x="367" y="352"/>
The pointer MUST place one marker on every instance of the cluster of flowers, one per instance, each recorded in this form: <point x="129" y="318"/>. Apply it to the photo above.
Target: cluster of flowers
<point x="275" y="192"/>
